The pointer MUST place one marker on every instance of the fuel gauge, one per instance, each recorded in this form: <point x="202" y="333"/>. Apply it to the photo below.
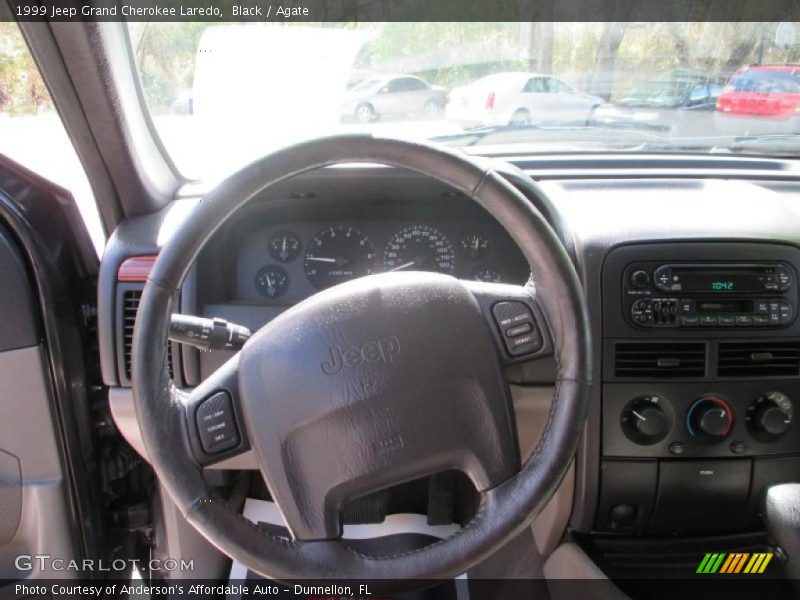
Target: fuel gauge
<point x="272" y="281"/>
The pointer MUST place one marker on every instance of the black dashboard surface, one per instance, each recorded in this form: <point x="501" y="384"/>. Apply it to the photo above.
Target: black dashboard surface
<point x="602" y="214"/>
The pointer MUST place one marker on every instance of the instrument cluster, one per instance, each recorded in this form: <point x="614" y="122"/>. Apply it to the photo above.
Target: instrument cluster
<point x="292" y="261"/>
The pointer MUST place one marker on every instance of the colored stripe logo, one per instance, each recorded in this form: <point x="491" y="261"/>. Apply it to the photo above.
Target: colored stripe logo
<point x="734" y="563"/>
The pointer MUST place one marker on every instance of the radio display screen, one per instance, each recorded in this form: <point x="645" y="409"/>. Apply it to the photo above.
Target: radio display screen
<point x="725" y="306"/>
<point x="728" y="280"/>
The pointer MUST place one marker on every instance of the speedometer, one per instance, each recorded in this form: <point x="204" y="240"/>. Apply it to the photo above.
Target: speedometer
<point x="419" y="248"/>
<point x="338" y="254"/>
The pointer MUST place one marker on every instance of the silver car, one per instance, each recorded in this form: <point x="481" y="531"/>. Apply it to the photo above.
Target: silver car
<point x="392" y="95"/>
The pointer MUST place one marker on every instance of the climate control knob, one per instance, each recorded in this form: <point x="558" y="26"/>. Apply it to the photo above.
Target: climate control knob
<point x="647" y="419"/>
<point x="709" y="417"/>
<point x="650" y="422"/>
<point x="770" y="415"/>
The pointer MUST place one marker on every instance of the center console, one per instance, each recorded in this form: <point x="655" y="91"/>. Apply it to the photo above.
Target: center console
<point x="701" y="383"/>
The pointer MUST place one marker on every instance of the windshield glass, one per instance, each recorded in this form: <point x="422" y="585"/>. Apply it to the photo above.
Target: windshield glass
<point x="222" y="95"/>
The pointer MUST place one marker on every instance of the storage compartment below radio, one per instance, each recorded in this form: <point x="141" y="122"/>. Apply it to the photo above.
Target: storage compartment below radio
<point x="687" y="497"/>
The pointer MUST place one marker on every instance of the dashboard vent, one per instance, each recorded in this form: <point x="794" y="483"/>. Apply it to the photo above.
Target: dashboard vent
<point x="759" y="359"/>
<point x="130" y="306"/>
<point x="659" y="360"/>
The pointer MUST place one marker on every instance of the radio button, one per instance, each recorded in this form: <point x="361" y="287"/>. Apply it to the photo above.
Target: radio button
<point x="640" y="279"/>
<point x="760" y="320"/>
<point x="784" y="278"/>
<point x="726" y="320"/>
<point x="663" y="278"/>
<point x="690" y="321"/>
<point x="708" y="320"/>
<point x="785" y="312"/>
<point x="761" y="307"/>
<point x="744" y="320"/>
<point x="687" y="305"/>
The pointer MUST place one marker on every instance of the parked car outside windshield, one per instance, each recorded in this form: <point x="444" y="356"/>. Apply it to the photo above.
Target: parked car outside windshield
<point x="520" y="99"/>
<point x="392" y="96"/>
<point x="679" y="104"/>
<point x="761" y="99"/>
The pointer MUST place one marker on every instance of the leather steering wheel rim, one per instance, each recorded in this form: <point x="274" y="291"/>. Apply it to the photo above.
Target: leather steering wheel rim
<point x="504" y="509"/>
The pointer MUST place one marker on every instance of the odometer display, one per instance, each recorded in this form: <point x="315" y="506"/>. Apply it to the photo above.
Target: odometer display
<point x="338" y="254"/>
<point x="419" y="248"/>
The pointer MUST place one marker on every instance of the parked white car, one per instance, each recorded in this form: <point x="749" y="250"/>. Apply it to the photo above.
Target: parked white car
<point x="519" y="99"/>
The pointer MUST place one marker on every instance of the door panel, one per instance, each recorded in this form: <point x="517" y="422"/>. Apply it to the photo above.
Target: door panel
<point x="33" y="501"/>
<point x="50" y="485"/>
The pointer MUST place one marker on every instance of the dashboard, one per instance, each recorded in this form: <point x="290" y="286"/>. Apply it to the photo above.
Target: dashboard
<point x="676" y="294"/>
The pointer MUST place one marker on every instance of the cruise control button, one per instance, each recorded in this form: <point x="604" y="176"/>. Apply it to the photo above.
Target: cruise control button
<point x="511" y="313"/>
<point x="519" y="330"/>
<point x="216" y="424"/>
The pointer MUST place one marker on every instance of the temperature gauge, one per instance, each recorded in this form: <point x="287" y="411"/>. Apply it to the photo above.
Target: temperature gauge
<point x="272" y="281"/>
<point x="474" y="245"/>
<point x="488" y="274"/>
<point x="284" y="246"/>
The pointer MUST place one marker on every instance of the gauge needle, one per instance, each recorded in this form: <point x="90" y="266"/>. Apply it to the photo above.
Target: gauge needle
<point x="638" y="416"/>
<point x="270" y="287"/>
<point x="339" y="261"/>
<point x="403" y="266"/>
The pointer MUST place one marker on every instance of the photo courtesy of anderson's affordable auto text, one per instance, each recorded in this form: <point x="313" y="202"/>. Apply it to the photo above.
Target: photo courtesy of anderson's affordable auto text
<point x="410" y="300"/>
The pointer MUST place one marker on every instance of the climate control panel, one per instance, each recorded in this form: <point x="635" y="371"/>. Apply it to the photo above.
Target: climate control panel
<point x="698" y="420"/>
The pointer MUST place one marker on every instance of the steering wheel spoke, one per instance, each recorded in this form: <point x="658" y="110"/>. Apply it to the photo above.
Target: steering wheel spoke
<point x="216" y="432"/>
<point x="517" y="323"/>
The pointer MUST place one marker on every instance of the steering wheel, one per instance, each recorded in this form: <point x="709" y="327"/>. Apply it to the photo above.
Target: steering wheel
<point x="371" y="383"/>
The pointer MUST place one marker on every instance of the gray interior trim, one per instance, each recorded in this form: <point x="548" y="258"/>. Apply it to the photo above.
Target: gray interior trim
<point x="44" y="524"/>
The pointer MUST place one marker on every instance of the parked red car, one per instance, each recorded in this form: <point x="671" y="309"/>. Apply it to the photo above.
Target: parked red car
<point x="760" y="100"/>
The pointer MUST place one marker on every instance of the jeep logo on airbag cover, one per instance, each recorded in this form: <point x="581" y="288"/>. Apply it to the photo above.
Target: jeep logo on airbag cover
<point x="353" y="357"/>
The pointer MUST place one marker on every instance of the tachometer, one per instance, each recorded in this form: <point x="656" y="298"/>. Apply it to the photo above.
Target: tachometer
<point x="419" y="248"/>
<point x="338" y="254"/>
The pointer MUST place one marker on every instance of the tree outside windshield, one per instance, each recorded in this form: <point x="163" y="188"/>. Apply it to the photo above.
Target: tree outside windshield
<point x="223" y="95"/>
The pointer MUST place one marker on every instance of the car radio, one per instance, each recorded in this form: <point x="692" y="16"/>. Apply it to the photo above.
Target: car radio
<point x="750" y="295"/>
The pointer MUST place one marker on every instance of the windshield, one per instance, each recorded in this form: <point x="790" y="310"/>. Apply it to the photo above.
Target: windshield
<point x="222" y="95"/>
